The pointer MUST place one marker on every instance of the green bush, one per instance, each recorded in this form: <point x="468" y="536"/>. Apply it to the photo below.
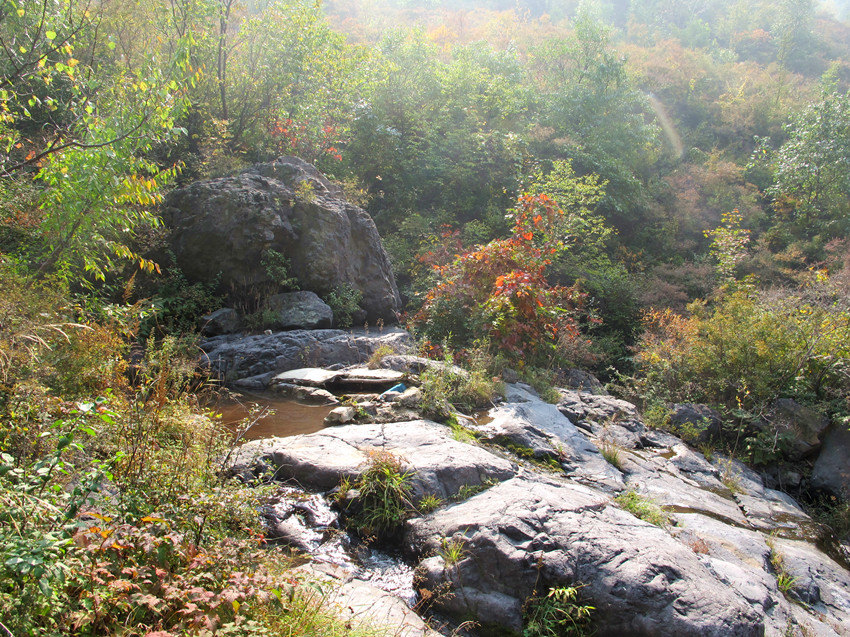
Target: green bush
<point x="383" y="501"/>
<point x="558" y="613"/>
<point x="344" y="301"/>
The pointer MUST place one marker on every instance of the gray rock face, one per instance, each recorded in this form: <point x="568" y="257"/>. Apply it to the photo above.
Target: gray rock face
<point x="531" y="423"/>
<point x="441" y="465"/>
<point x="603" y="416"/>
<point x="225" y="225"/>
<point x="235" y="357"/>
<point x="805" y="426"/>
<point x="700" y="419"/>
<point x="223" y="321"/>
<point x="300" y="311"/>
<point x="362" y="605"/>
<point x="581" y="380"/>
<point x="525" y="534"/>
<point x="832" y="468"/>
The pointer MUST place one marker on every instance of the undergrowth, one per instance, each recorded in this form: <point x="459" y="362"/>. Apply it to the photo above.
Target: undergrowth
<point x="114" y="516"/>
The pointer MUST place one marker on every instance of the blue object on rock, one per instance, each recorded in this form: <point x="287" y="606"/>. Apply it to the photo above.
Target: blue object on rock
<point x="397" y="389"/>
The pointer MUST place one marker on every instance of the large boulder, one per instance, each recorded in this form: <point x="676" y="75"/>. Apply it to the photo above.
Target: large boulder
<point x="300" y="311"/>
<point x="524" y="534"/>
<point x="223" y="227"/>
<point x="252" y="361"/>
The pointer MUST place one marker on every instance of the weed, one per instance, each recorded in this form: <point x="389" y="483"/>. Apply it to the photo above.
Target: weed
<point x="611" y="452"/>
<point x="643" y="508"/>
<point x="729" y="477"/>
<point x="429" y="503"/>
<point x="452" y="551"/>
<point x="543" y="381"/>
<point x="657" y="416"/>
<point x="305" y="191"/>
<point x="558" y="613"/>
<point x="784" y="580"/>
<point x="460" y="432"/>
<point x="380" y="353"/>
<point x="445" y="384"/>
<point x="279" y="270"/>
<point x="466" y="491"/>
<point x="383" y="492"/>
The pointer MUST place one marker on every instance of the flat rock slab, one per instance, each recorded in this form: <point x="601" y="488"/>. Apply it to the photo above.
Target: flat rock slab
<point x="363" y="605"/>
<point x="530" y="533"/>
<point x="310" y="395"/>
<point x="440" y="465"/>
<point x="540" y="427"/>
<point x="368" y="378"/>
<point x="309" y="376"/>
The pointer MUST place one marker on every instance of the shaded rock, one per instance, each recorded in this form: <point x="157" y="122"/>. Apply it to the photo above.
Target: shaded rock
<point x="699" y="423"/>
<point x="440" y="464"/>
<point x="804" y="426"/>
<point x="300" y="311"/>
<point x="223" y="321"/>
<point x="605" y="417"/>
<point x="544" y="431"/>
<point x="581" y="380"/>
<point x="527" y="534"/>
<point x="832" y="468"/>
<point x="225" y="226"/>
<point x="510" y="375"/>
<point x="233" y="357"/>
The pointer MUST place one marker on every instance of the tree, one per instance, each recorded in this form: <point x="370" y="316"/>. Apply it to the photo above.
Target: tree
<point x="811" y="170"/>
<point x="83" y="130"/>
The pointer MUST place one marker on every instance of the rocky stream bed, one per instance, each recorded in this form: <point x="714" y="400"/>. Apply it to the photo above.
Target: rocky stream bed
<point x="532" y="503"/>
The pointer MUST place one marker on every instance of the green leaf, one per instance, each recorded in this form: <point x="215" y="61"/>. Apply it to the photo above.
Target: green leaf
<point x="50" y="35"/>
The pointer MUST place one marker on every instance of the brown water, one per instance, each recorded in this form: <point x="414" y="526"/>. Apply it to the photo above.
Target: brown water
<point x="274" y="415"/>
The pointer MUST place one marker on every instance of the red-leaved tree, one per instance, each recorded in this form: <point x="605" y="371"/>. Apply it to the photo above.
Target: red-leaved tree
<point x="500" y="290"/>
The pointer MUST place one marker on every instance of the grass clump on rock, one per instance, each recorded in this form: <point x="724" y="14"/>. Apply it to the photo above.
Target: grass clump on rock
<point x="380" y="497"/>
<point x="643" y="508"/>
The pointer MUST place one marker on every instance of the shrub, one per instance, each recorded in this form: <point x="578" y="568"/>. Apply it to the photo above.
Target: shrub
<point x="500" y="290"/>
<point x="344" y="301"/>
<point x="383" y="496"/>
<point x="558" y="613"/>
<point x="446" y="384"/>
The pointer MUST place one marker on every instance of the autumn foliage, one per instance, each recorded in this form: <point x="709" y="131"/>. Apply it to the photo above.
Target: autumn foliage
<point x="500" y="290"/>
